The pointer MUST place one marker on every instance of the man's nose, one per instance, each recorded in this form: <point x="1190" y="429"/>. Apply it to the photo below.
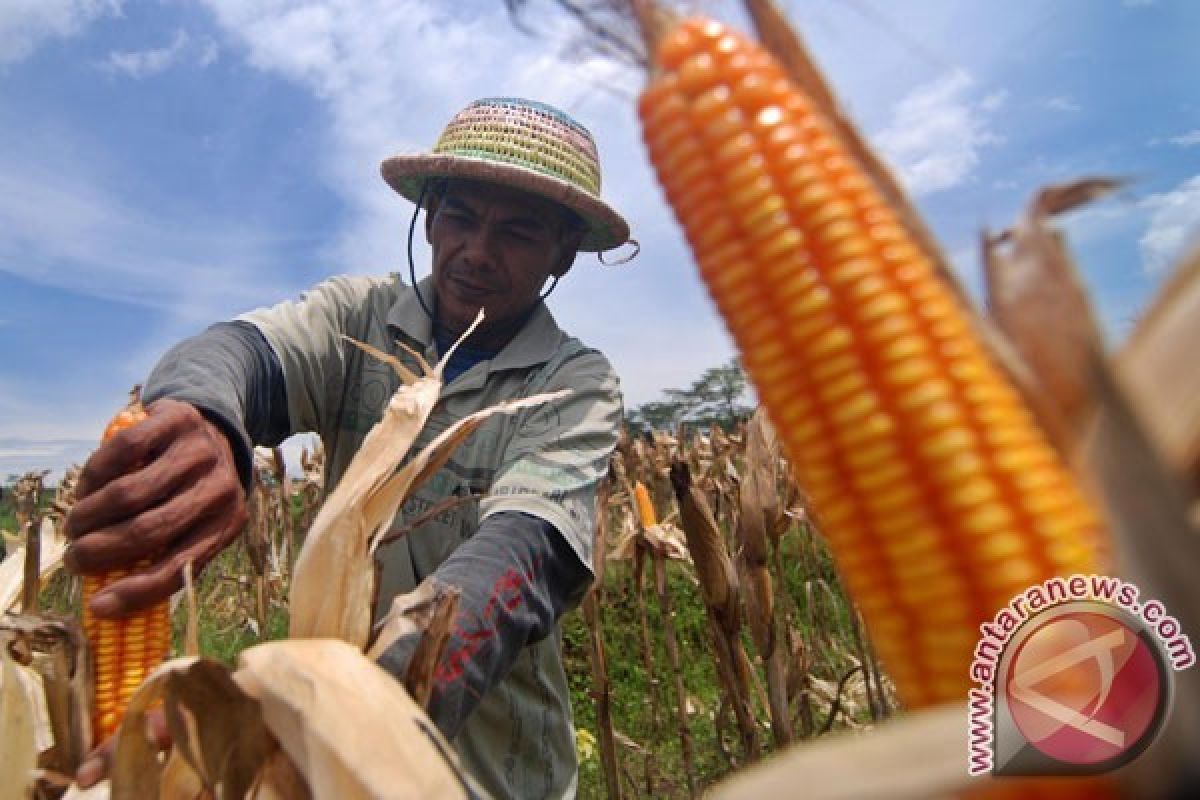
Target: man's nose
<point x="477" y="247"/>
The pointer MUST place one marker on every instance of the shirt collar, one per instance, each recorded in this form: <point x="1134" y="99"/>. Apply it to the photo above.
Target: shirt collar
<point x="534" y="344"/>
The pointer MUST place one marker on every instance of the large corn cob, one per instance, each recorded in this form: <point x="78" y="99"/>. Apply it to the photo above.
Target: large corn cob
<point x="124" y="651"/>
<point x="939" y="495"/>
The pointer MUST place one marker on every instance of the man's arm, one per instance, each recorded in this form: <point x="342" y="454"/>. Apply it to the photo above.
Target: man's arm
<point x="171" y="489"/>
<point x="231" y="375"/>
<point x="530" y="560"/>
<point x="518" y="576"/>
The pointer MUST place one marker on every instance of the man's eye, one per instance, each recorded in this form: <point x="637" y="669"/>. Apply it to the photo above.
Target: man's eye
<point x="522" y="236"/>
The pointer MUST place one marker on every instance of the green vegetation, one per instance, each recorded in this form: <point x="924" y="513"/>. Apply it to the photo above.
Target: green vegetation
<point x="635" y="695"/>
<point x="238" y="609"/>
<point x="227" y="602"/>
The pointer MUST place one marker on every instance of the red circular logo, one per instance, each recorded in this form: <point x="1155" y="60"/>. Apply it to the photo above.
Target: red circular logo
<point x="1085" y="687"/>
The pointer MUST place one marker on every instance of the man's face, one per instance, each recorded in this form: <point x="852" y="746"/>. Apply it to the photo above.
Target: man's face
<point x="494" y="247"/>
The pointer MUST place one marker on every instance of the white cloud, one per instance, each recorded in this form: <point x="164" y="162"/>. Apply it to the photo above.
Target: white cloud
<point x="994" y="101"/>
<point x="392" y="72"/>
<point x="1189" y="139"/>
<point x="19" y="456"/>
<point x="936" y="133"/>
<point x="63" y="225"/>
<point x="144" y="63"/>
<point x="1062" y="103"/>
<point x="209" y="51"/>
<point x="1174" y="225"/>
<point x="25" y="24"/>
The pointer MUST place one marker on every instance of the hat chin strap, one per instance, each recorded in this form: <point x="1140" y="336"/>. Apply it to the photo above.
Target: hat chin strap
<point x="412" y="270"/>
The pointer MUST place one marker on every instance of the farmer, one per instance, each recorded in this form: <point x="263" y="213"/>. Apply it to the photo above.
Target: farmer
<point x="511" y="194"/>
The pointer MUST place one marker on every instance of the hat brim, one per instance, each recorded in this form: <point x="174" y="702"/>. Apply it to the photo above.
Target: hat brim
<point x="606" y="228"/>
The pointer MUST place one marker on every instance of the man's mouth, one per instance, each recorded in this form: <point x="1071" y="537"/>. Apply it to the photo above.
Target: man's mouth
<point x="468" y="288"/>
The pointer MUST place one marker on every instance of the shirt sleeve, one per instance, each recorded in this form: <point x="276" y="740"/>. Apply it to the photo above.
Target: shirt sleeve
<point x="517" y="576"/>
<point x="560" y="453"/>
<point x="306" y="337"/>
<point x="230" y="374"/>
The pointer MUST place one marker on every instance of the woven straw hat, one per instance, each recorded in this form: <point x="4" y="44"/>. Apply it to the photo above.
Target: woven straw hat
<point x="520" y="143"/>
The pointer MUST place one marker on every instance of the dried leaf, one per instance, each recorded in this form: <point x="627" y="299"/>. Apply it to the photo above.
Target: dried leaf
<point x="758" y="493"/>
<point x="349" y="727"/>
<point x="1158" y="549"/>
<point x="333" y="580"/>
<point x="280" y="780"/>
<point x="718" y="580"/>
<point x="428" y="612"/>
<point x="409" y="614"/>
<point x="384" y="504"/>
<point x="100" y="791"/>
<point x="53" y="547"/>
<point x="668" y="541"/>
<point x="136" y="772"/>
<point x="333" y="584"/>
<point x="217" y="728"/>
<point x="180" y="781"/>
<point x="1157" y="369"/>
<point x="60" y="659"/>
<point x="1065" y="197"/>
<point x="918" y="756"/>
<point x="18" y="728"/>
<point x="191" y="627"/>
<point x="1033" y="288"/>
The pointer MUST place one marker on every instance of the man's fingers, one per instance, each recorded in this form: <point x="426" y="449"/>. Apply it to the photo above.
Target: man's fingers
<point x="160" y="580"/>
<point x="95" y="767"/>
<point x="98" y="763"/>
<point x="132" y="494"/>
<point x="133" y="446"/>
<point x="157" y="730"/>
<point x="141" y="529"/>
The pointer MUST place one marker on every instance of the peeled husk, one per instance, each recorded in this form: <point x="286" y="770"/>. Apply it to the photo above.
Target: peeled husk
<point x="334" y="582"/>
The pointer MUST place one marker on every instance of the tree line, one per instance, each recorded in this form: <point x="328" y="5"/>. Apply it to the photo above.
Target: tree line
<point x="720" y="397"/>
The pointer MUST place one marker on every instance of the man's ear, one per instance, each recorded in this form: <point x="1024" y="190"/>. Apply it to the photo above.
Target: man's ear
<point x="570" y="250"/>
<point x="431" y="202"/>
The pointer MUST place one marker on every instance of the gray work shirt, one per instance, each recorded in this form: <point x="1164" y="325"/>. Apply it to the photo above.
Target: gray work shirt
<point x="545" y="461"/>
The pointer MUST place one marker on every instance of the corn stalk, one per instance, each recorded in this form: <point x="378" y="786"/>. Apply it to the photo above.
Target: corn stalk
<point x="719" y="585"/>
<point x="592" y="606"/>
<point x="759" y="501"/>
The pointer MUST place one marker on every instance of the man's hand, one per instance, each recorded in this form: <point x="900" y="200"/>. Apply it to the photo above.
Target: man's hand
<point x="165" y="490"/>
<point x="98" y="764"/>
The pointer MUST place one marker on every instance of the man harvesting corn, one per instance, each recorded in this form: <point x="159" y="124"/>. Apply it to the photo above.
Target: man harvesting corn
<point x="511" y="194"/>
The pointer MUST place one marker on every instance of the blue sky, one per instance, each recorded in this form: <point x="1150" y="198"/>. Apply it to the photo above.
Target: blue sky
<point x="165" y="164"/>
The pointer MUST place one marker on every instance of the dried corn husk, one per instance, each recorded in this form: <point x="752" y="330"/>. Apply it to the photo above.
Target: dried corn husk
<point x="1149" y="365"/>
<point x="333" y="587"/>
<point x="359" y="735"/>
<point x="20" y="695"/>
<point x="917" y="757"/>
<point x="428" y="612"/>
<point x="53" y="548"/>
<point x="759" y="512"/>
<point x="1033" y="286"/>
<point x="297" y="719"/>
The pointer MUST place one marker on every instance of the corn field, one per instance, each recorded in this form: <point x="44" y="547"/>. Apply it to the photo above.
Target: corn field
<point x="825" y="566"/>
<point x="674" y="684"/>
